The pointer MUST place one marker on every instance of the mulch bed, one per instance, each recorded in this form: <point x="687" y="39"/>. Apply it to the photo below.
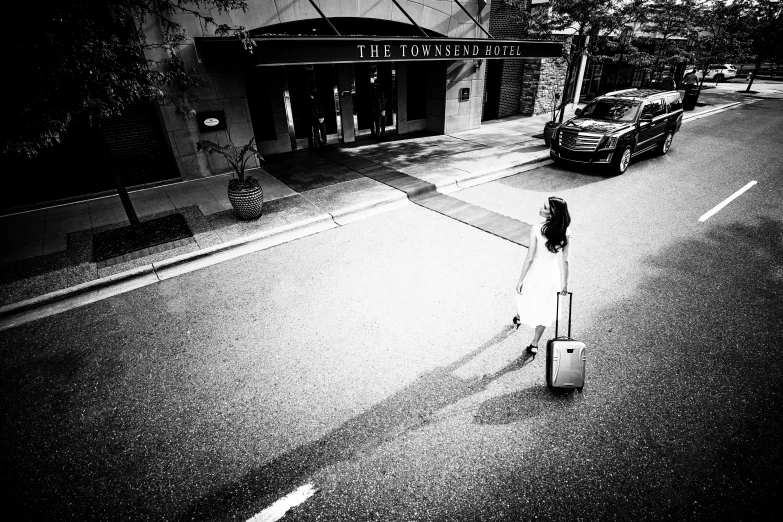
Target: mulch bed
<point x="121" y="241"/>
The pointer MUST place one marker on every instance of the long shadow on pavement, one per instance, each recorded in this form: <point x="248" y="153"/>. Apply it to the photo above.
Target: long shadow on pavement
<point x="406" y="410"/>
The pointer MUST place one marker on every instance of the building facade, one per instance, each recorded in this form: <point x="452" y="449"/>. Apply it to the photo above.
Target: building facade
<point x="421" y="63"/>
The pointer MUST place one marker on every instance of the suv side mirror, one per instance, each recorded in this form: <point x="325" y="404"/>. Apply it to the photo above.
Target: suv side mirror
<point x="577" y="112"/>
<point x="646" y="117"/>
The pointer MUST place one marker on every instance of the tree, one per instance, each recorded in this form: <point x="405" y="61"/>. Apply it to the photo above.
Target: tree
<point x="720" y="33"/>
<point x="664" y="26"/>
<point x="764" y="27"/>
<point x="588" y="24"/>
<point x="92" y="59"/>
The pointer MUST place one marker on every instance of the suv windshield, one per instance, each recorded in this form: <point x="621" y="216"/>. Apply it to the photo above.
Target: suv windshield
<point x="611" y="110"/>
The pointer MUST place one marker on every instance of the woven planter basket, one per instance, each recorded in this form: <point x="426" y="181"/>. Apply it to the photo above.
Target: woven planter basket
<point x="549" y="130"/>
<point x="247" y="203"/>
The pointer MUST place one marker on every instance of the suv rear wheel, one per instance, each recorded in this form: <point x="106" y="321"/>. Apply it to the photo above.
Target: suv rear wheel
<point x="718" y="78"/>
<point x="664" y="146"/>
<point x="620" y="164"/>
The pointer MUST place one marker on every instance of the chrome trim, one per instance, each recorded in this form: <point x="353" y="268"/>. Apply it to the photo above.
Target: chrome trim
<point x="353" y="100"/>
<point x="394" y="98"/>
<point x="338" y="106"/>
<point x="643" y="150"/>
<point x="289" y="113"/>
<point x="578" y="141"/>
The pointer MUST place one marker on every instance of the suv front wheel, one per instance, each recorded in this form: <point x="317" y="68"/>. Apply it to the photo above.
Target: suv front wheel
<point x="666" y="144"/>
<point x="620" y="164"/>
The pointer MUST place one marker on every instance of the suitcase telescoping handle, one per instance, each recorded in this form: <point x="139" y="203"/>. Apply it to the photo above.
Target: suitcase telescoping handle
<point x="557" y="317"/>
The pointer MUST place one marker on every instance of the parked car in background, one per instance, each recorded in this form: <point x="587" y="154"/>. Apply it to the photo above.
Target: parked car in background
<point x="719" y="72"/>
<point x="617" y="126"/>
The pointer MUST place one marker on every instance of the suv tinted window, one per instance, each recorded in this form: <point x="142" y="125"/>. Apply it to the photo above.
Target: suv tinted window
<point x="675" y="103"/>
<point x="611" y="110"/>
<point x="655" y="107"/>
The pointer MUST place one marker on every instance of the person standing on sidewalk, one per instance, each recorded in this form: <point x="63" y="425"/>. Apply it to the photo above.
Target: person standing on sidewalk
<point x="317" y="119"/>
<point x="691" y="80"/>
<point x="545" y="270"/>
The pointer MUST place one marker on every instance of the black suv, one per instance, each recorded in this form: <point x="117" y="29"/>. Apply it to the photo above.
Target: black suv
<point x="613" y="128"/>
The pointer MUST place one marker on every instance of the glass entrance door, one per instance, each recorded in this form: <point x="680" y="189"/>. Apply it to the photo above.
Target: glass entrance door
<point x="318" y="81"/>
<point x="375" y="90"/>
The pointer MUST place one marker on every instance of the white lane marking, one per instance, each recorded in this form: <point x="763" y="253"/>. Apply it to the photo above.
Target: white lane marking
<point x="278" y="510"/>
<point x="725" y="202"/>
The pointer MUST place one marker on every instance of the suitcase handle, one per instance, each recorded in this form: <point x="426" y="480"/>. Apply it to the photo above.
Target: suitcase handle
<point x="557" y="317"/>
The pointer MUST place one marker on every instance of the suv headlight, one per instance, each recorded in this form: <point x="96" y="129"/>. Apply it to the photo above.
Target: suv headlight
<point x="611" y="142"/>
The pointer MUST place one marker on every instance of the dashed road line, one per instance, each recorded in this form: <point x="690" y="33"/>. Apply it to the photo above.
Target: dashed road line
<point x="278" y="510"/>
<point x="725" y="202"/>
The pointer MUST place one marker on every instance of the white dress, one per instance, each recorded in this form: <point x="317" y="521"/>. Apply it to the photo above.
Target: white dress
<point x="536" y="305"/>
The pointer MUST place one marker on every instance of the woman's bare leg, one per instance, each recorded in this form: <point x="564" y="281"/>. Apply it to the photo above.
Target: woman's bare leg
<point x="537" y="336"/>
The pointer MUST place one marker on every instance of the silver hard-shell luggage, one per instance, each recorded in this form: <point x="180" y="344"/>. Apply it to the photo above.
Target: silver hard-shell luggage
<point x="565" y="357"/>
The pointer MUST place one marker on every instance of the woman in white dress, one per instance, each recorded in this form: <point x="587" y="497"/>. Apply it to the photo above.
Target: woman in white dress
<point x="545" y="270"/>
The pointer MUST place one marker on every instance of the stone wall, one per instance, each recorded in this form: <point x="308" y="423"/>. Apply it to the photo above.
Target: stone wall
<point x="542" y="80"/>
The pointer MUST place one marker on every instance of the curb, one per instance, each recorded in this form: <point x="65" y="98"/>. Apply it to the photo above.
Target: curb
<point x="505" y="170"/>
<point x="68" y="298"/>
<point x="61" y="300"/>
<point x="713" y="110"/>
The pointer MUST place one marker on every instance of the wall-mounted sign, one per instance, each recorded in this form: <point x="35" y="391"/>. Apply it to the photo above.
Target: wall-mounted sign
<point x="285" y="50"/>
<point x="211" y="121"/>
<point x="464" y="94"/>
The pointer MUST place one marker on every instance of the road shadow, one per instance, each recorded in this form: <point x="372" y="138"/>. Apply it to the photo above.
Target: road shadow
<point x="681" y="392"/>
<point x="556" y="177"/>
<point x="405" y="411"/>
<point x="680" y="416"/>
<point x="522" y="405"/>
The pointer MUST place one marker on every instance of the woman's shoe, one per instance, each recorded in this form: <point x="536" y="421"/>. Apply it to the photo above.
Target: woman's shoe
<point x="516" y="321"/>
<point x="532" y="349"/>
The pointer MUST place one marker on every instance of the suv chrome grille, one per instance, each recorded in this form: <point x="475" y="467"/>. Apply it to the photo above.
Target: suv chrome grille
<point x="581" y="142"/>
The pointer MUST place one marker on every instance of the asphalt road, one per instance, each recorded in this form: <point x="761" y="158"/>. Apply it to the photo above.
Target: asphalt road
<point x="376" y="361"/>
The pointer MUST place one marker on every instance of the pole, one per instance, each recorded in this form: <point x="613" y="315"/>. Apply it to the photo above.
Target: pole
<point x="580" y="74"/>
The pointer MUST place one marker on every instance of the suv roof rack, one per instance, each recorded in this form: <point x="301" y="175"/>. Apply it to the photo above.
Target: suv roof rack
<point x="614" y="93"/>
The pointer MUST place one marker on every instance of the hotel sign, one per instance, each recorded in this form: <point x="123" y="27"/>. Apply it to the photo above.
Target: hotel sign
<point x="285" y="50"/>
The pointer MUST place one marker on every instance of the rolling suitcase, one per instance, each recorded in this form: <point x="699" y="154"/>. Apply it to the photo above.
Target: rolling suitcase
<point x="565" y="357"/>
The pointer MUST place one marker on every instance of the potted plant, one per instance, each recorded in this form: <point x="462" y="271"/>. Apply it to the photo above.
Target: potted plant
<point x="551" y="125"/>
<point x="244" y="192"/>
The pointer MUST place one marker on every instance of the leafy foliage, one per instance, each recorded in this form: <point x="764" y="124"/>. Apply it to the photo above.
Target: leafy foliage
<point x="664" y="26"/>
<point x="722" y="33"/>
<point x="588" y="23"/>
<point x="764" y="27"/>
<point x="92" y="59"/>
<point x="237" y="159"/>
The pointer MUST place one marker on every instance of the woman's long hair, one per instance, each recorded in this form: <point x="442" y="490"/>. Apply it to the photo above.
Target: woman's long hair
<point x="554" y="228"/>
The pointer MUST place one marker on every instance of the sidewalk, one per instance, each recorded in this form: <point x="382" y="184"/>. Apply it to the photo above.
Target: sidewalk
<point x="47" y="254"/>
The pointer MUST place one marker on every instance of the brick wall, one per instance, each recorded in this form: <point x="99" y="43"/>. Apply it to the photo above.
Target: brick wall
<point x="501" y="25"/>
<point x="528" y="86"/>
